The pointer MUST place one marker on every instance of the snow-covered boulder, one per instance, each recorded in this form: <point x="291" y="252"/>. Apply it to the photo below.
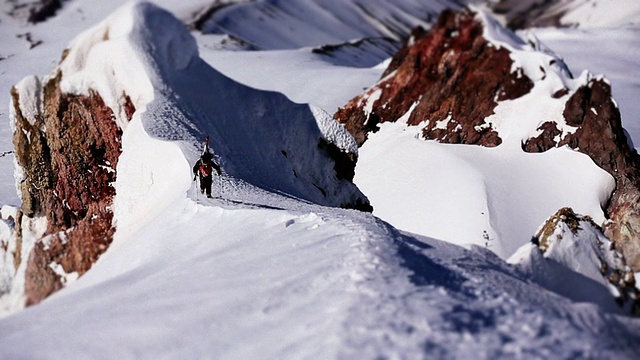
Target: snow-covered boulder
<point x="571" y="256"/>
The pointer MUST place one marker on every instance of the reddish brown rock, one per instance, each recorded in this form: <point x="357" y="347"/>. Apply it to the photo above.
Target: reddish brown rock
<point x="452" y="76"/>
<point x="40" y="279"/>
<point x="69" y="155"/>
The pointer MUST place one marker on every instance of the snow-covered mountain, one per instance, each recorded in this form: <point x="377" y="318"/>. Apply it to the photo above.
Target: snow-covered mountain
<point x="274" y="267"/>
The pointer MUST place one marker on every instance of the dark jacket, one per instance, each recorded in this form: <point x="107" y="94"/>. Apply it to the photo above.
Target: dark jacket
<point x="205" y="166"/>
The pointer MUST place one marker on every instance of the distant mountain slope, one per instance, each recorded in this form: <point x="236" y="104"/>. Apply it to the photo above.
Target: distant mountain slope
<point x="308" y="23"/>
<point x="570" y="13"/>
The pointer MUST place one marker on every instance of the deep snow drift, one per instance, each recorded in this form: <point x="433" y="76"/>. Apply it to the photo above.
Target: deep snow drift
<point x="263" y="274"/>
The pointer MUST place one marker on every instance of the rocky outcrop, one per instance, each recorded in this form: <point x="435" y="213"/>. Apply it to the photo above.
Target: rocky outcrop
<point x="577" y="244"/>
<point x="599" y="134"/>
<point x="449" y="79"/>
<point x="68" y="149"/>
<point x="43" y="10"/>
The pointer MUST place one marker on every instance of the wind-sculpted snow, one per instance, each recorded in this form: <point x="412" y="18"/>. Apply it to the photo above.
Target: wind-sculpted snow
<point x="260" y="137"/>
<point x="571" y="256"/>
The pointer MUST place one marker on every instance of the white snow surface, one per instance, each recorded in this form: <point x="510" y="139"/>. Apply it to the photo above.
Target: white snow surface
<point x="575" y="13"/>
<point x="477" y="191"/>
<point x="260" y="273"/>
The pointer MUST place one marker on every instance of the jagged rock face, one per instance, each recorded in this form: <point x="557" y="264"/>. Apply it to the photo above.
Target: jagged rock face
<point x="600" y="135"/>
<point x="451" y="78"/>
<point x="568" y="238"/>
<point x="69" y="153"/>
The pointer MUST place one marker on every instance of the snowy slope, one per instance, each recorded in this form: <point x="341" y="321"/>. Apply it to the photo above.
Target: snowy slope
<point x="493" y="197"/>
<point x="260" y="137"/>
<point x="317" y="283"/>
<point x="263" y="275"/>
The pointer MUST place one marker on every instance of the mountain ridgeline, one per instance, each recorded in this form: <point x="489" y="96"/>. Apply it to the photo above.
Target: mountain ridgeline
<point x="70" y="144"/>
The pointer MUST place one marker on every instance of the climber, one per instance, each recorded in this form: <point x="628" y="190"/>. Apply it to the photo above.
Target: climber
<point x="204" y="167"/>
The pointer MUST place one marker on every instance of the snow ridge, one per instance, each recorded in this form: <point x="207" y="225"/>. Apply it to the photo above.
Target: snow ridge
<point x="180" y="98"/>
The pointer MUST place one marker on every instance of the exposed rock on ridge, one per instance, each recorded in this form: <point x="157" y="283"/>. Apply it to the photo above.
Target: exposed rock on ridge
<point x="577" y="243"/>
<point x="449" y="79"/>
<point x="68" y="150"/>
<point x="599" y="134"/>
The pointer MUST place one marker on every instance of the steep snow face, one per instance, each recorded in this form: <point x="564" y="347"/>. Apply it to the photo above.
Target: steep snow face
<point x="302" y="76"/>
